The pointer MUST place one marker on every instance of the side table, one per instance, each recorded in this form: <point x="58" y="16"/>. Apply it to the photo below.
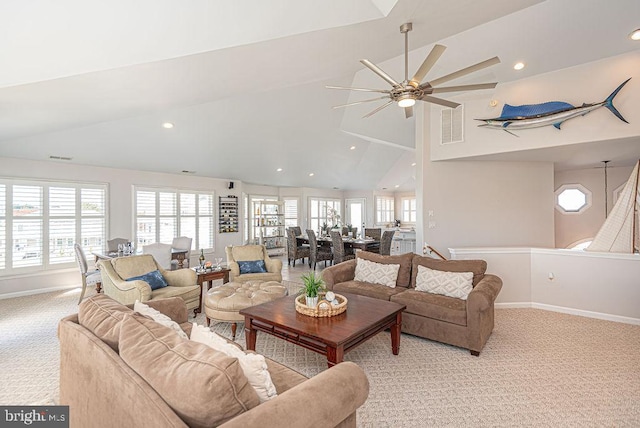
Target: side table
<point x="207" y="277"/>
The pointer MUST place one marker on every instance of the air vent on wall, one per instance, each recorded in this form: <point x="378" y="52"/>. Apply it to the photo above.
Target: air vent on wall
<point x="451" y="121"/>
<point x="64" y="158"/>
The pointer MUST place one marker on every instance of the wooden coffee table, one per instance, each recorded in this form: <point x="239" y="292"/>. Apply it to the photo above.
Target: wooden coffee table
<point x="331" y="336"/>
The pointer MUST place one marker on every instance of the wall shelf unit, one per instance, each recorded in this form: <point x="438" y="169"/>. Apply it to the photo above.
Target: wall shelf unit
<point x="228" y="214"/>
<point x="268" y="222"/>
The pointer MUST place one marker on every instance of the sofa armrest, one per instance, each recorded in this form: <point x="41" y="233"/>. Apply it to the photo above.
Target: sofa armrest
<point x="484" y="294"/>
<point x="125" y="292"/>
<point x="273" y="265"/>
<point x="325" y="400"/>
<point x="341" y="272"/>
<point x="234" y="268"/>
<point x="173" y="307"/>
<point x="180" y="277"/>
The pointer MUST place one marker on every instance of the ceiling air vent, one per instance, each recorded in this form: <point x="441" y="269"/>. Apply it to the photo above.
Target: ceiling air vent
<point x="64" y="158"/>
<point x="451" y="120"/>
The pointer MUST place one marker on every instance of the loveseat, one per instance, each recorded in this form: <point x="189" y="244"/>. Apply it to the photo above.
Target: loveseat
<point x="455" y="321"/>
<point x="120" y="369"/>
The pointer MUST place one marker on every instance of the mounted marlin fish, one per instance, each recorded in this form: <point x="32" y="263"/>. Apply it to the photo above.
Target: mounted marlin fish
<point x="551" y="113"/>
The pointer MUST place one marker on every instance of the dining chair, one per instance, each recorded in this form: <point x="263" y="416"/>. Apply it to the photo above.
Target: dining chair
<point x="160" y="252"/>
<point x="317" y="254"/>
<point x="294" y="250"/>
<point x="375" y="233"/>
<point x="297" y="230"/>
<point x="182" y="243"/>
<point x="385" y="242"/>
<point x="92" y="277"/>
<point x="112" y="244"/>
<point x="337" y="246"/>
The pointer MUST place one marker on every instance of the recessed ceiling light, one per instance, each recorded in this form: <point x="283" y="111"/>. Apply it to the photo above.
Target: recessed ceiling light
<point x="352" y="148"/>
<point x="518" y="66"/>
<point x="279" y="169"/>
<point x="311" y="174"/>
<point x="397" y="185"/>
<point x="635" y="34"/>
<point x="167" y="125"/>
<point x="413" y="164"/>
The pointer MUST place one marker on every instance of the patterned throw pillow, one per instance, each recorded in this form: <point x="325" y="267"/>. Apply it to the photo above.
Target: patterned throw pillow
<point x="252" y="266"/>
<point x="452" y="284"/>
<point x="376" y="273"/>
<point x="154" y="279"/>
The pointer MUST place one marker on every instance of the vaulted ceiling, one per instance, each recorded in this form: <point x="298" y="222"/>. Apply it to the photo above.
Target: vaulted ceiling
<point x="243" y="81"/>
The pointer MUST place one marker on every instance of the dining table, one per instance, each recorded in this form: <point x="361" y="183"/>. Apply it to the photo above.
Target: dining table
<point x="364" y="244"/>
<point x="178" y="254"/>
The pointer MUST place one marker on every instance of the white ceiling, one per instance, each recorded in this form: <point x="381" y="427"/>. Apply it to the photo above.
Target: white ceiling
<point x="243" y="81"/>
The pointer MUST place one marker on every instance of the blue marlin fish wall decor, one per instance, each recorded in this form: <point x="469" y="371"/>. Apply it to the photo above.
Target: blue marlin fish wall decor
<point x="551" y="113"/>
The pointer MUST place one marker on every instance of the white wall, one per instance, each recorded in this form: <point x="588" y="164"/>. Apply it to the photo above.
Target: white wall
<point x="598" y="285"/>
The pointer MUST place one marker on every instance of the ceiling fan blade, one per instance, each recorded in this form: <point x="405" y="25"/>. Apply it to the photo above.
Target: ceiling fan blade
<point x="439" y="101"/>
<point x="463" y="88"/>
<point x="382" y="91"/>
<point x="408" y="112"/>
<point x="378" y="109"/>
<point x="361" y="102"/>
<point x="429" y="62"/>
<point x="371" y="66"/>
<point x="465" y="71"/>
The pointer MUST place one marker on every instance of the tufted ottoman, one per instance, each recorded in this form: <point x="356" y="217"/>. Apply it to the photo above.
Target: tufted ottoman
<point x="223" y="303"/>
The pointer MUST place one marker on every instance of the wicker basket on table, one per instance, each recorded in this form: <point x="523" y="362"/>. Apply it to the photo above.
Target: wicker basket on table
<point x="323" y="308"/>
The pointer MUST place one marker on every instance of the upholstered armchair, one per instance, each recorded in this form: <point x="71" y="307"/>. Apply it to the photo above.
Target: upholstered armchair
<point x="252" y="253"/>
<point x="115" y="272"/>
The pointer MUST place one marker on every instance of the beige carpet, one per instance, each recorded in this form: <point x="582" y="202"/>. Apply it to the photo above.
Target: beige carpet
<point x="538" y="369"/>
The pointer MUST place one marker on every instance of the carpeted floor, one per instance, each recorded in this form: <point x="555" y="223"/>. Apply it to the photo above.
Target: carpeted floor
<point x="539" y="368"/>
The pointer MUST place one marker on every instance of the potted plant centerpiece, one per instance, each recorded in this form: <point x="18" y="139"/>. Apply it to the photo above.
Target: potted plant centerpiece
<point x="312" y="286"/>
<point x="350" y="230"/>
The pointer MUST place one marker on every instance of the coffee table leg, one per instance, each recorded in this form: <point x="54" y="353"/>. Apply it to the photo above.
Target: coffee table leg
<point x="249" y="334"/>
<point x="395" y="334"/>
<point x="334" y="355"/>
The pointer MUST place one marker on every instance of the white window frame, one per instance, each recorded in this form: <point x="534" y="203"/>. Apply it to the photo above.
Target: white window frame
<point x="579" y="187"/>
<point x="408" y="214"/>
<point x="43" y="263"/>
<point x="290" y="220"/>
<point x="195" y="243"/>
<point x="384" y="210"/>
<point x="317" y="218"/>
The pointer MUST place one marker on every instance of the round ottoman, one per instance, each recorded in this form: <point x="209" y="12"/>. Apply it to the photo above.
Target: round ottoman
<point x="225" y="302"/>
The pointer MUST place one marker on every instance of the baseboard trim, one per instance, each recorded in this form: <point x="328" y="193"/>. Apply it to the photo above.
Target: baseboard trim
<point x="514" y="305"/>
<point x="38" y="291"/>
<point x="588" y="314"/>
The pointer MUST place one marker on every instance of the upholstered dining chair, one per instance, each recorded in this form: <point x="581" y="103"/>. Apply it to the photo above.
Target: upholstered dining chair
<point x="182" y="243"/>
<point x="294" y="251"/>
<point x="92" y="277"/>
<point x="297" y="230"/>
<point x="112" y="244"/>
<point x="317" y="254"/>
<point x="337" y="246"/>
<point x="375" y="233"/>
<point x="385" y="242"/>
<point x="161" y="254"/>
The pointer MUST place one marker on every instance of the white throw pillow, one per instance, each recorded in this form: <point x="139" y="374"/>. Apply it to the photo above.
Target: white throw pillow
<point x="377" y="273"/>
<point x="452" y="284"/>
<point x="253" y="365"/>
<point x="158" y="317"/>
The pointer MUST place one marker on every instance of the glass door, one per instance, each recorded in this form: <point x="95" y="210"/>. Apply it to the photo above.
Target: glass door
<point x="355" y="213"/>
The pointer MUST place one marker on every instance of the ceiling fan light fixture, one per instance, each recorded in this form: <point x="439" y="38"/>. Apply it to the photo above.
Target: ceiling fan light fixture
<point x="406" y="101"/>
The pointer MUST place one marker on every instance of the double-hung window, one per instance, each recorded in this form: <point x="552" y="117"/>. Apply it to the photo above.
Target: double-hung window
<point x="163" y="214"/>
<point x="291" y="212"/>
<point x="409" y="212"/>
<point x="324" y="211"/>
<point x="40" y="221"/>
<point x="384" y="209"/>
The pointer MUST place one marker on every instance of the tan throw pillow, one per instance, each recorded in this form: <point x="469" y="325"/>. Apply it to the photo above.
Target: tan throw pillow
<point x="253" y="365"/>
<point x="204" y="387"/>
<point x="452" y="284"/>
<point x="376" y="273"/>
<point x="101" y="315"/>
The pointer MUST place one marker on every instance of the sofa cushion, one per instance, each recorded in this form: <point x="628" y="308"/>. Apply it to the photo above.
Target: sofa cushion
<point x="204" y="387"/>
<point x="186" y="293"/>
<point x="434" y="306"/>
<point x="376" y="273"/>
<point x="153" y="278"/>
<point x="478" y="267"/>
<point x="404" y="260"/>
<point x="102" y="315"/>
<point x="452" y="284"/>
<point x="252" y="266"/>
<point x="368" y="289"/>
<point x="253" y="365"/>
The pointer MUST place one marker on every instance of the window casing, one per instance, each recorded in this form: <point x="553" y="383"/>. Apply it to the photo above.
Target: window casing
<point x="163" y="214"/>
<point x="385" y="210"/>
<point x="409" y="211"/>
<point x="319" y="212"/>
<point x="40" y="221"/>
<point x="291" y="212"/>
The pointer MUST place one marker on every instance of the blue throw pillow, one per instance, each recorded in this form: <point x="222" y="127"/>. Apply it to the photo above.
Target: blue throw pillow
<point x="252" y="266"/>
<point x="154" y="279"/>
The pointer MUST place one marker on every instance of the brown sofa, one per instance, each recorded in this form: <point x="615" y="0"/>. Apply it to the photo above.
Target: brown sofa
<point x="99" y="350"/>
<point x="464" y="323"/>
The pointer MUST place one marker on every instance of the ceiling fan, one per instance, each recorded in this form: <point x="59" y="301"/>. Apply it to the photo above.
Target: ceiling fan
<point x="407" y="92"/>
